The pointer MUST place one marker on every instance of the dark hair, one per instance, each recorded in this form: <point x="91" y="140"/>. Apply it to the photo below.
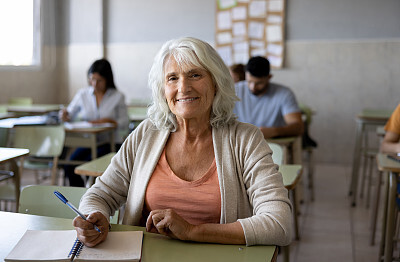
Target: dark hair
<point x="239" y="70"/>
<point x="103" y="68"/>
<point x="258" y="66"/>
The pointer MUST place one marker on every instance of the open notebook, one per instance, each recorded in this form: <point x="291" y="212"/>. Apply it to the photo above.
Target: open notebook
<point x="62" y="245"/>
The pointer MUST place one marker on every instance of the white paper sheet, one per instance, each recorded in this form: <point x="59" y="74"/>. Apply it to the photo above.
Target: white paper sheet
<point x="275" y="61"/>
<point x="239" y="29"/>
<point x="275" y="5"/>
<point x="239" y="13"/>
<point x="274" y="19"/>
<point x="224" y="38"/>
<point x="226" y="54"/>
<point x="258" y="9"/>
<point x="274" y="33"/>
<point x="275" y="49"/>
<point x="224" y="20"/>
<point x="256" y="30"/>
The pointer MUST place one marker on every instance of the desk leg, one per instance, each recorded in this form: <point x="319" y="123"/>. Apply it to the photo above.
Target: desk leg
<point x="375" y="209"/>
<point x="391" y="222"/>
<point x="17" y="179"/>
<point x="385" y="208"/>
<point x="356" y="162"/>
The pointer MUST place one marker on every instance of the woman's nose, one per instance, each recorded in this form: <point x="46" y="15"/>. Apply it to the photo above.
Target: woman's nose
<point x="184" y="85"/>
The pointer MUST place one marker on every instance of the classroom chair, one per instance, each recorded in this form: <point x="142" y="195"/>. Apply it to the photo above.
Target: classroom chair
<point x="20" y="101"/>
<point x="45" y="144"/>
<point x="40" y="200"/>
<point x="308" y="145"/>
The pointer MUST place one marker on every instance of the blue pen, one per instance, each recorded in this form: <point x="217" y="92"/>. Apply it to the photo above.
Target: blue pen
<point x="65" y="201"/>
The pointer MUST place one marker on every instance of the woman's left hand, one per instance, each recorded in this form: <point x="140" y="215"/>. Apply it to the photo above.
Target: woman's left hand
<point x="167" y="222"/>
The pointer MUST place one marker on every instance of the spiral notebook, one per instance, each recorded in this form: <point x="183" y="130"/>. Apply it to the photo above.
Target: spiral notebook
<point x="62" y="245"/>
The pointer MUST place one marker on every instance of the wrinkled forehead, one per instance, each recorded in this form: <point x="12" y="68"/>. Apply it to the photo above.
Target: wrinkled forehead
<point x="184" y="59"/>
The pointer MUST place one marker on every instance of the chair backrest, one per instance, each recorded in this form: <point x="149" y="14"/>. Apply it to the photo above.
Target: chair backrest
<point x="42" y="141"/>
<point x="307" y="111"/>
<point x="20" y="101"/>
<point x="40" y="200"/>
<point x="277" y="153"/>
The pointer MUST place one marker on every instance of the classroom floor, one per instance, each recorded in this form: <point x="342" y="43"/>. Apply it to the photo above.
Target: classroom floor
<point x="330" y="229"/>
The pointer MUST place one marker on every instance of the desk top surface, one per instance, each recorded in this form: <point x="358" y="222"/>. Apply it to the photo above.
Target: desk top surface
<point x="95" y="167"/>
<point x="291" y="175"/>
<point x="387" y="164"/>
<point x="34" y="108"/>
<point x="155" y="247"/>
<point x="12" y="153"/>
<point x="375" y="115"/>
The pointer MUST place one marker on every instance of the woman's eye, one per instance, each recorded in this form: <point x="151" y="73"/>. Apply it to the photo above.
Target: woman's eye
<point x="171" y="78"/>
<point x="195" y="75"/>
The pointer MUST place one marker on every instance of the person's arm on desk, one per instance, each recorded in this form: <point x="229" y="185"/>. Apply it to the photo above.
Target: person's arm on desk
<point x="390" y="143"/>
<point x="294" y="127"/>
<point x="169" y="223"/>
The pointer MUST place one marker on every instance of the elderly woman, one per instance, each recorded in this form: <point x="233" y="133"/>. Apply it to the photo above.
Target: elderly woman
<point x="191" y="171"/>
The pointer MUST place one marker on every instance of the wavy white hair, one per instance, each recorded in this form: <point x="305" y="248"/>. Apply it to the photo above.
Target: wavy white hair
<point x="191" y="51"/>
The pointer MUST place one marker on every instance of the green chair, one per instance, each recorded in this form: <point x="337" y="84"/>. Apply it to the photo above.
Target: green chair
<point x="45" y="144"/>
<point x="40" y="200"/>
<point x="20" y="101"/>
<point x="308" y="145"/>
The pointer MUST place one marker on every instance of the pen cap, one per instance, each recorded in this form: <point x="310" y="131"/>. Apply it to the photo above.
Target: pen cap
<point x="61" y="197"/>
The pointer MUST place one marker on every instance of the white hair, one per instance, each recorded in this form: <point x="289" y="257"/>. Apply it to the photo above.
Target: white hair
<point x="191" y="51"/>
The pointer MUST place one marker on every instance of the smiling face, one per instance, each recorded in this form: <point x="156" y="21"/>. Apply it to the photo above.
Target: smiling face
<point x="189" y="91"/>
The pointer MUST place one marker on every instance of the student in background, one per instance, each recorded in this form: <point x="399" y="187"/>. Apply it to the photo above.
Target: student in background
<point x="391" y="141"/>
<point x="192" y="171"/>
<point x="271" y="107"/>
<point x="101" y="102"/>
<point x="237" y="72"/>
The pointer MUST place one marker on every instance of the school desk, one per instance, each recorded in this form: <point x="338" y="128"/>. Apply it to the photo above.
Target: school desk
<point x="367" y="118"/>
<point x="34" y="109"/>
<point x="155" y="247"/>
<point x="87" y="136"/>
<point x="10" y="155"/>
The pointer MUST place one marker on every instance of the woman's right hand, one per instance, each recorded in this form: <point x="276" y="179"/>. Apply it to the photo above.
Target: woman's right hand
<point x="64" y="116"/>
<point x="86" y="231"/>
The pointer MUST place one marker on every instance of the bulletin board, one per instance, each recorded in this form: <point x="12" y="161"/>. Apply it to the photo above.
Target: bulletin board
<point x="247" y="28"/>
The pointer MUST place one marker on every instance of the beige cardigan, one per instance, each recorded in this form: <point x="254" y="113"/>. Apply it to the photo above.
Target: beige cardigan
<point x="252" y="190"/>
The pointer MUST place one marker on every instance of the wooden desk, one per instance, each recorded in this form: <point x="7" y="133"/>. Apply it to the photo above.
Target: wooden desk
<point x="87" y="137"/>
<point x="10" y="155"/>
<point x="368" y="117"/>
<point x="34" y="109"/>
<point x="94" y="168"/>
<point x="155" y="247"/>
<point x="389" y="214"/>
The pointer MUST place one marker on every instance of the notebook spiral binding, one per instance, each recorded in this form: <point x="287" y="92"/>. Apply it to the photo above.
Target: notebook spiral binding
<point x="76" y="248"/>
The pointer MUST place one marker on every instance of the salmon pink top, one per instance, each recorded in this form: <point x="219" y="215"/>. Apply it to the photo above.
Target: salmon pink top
<point x="198" y="202"/>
